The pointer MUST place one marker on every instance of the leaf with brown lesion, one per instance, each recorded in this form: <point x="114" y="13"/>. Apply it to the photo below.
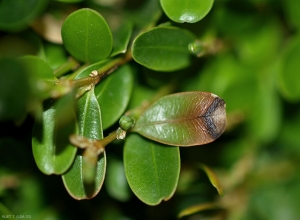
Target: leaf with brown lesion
<point x="184" y="119"/>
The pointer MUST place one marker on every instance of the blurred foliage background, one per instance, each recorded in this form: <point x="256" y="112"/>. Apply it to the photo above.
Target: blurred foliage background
<point x="254" y="68"/>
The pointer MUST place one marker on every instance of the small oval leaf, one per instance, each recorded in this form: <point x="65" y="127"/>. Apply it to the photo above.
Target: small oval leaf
<point x="90" y="126"/>
<point x="163" y="48"/>
<point x="152" y="169"/>
<point x="113" y="94"/>
<point x="184" y="119"/>
<point x="87" y="36"/>
<point x="189" y="11"/>
<point x="51" y="148"/>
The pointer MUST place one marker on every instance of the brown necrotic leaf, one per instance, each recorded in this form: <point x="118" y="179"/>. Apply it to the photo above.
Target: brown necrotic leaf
<point x="184" y="119"/>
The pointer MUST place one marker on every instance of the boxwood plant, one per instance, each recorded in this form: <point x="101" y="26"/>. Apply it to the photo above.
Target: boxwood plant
<point x="84" y="90"/>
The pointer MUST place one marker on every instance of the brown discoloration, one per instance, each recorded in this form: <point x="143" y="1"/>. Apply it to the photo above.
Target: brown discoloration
<point x="184" y="119"/>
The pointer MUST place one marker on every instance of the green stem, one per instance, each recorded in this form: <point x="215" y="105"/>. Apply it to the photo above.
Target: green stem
<point x="71" y="64"/>
<point x="108" y="139"/>
<point x="68" y="83"/>
<point x="102" y="72"/>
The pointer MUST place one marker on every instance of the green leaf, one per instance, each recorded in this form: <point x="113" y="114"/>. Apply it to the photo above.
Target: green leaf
<point x="121" y="38"/>
<point x="152" y="169"/>
<point x="265" y="118"/>
<point x="87" y="36"/>
<point x="116" y="183"/>
<point x="74" y="183"/>
<point x="18" y="14"/>
<point x="55" y="55"/>
<point x="51" y="148"/>
<point x="42" y="78"/>
<point x="163" y="48"/>
<point x="288" y="75"/>
<point x="89" y="120"/>
<point x="184" y="119"/>
<point x="292" y="11"/>
<point x="14" y="90"/>
<point x="87" y="70"/>
<point x="197" y="208"/>
<point x="147" y="15"/>
<point x="189" y="11"/>
<point x="113" y="94"/>
<point x="89" y="116"/>
<point x="212" y="178"/>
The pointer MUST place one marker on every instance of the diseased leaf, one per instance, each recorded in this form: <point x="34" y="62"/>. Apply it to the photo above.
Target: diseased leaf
<point x="51" y="148"/>
<point x="163" y="48"/>
<point x="87" y="36"/>
<point x="189" y="11"/>
<point x="79" y="181"/>
<point x="184" y="119"/>
<point x="152" y="169"/>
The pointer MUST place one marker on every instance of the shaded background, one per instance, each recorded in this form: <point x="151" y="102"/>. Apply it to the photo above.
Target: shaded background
<point x="255" y="70"/>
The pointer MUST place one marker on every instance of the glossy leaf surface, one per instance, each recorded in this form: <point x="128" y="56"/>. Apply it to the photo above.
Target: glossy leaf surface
<point x="163" y="48"/>
<point x="51" y="148"/>
<point x="89" y="119"/>
<point x="113" y="94"/>
<point x="87" y="36"/>
<point x="89" y="116"/>
<point x="189" y="11"/>
<point x="16" y="15"/>
<point x="121" y="38"/>
<point x="152" y="169"/>
<point x="184" y="119"/>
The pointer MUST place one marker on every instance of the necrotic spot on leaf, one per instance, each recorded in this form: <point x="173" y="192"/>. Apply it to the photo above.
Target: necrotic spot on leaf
<point x="184" y="119"/>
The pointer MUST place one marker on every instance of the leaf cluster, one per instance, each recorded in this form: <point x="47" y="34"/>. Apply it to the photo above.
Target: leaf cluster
<point x="118" y="89"/>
